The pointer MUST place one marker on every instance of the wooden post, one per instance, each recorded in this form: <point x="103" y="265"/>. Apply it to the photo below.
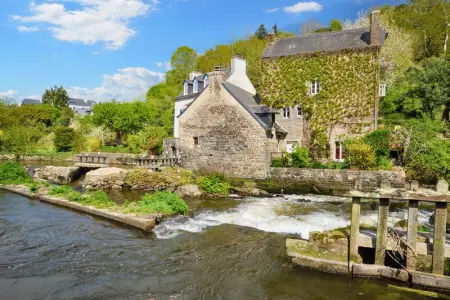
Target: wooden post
<point x="413" y="211"/>
<point x="380" y="246"/>
<point x="440" y="226"/>
<point x="354" y="228"/>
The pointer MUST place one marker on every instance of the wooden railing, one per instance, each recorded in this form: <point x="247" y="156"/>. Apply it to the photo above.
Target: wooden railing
<point x="413" y="195"/>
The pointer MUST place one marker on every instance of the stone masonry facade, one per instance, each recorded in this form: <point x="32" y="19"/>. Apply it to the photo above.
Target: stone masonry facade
<point x="217" y="134"/>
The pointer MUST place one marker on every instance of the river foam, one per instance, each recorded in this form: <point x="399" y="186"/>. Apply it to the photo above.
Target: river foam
<point x="260" y="213"/>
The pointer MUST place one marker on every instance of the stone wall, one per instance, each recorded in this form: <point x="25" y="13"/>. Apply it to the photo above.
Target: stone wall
<point x="217" y="134"/>
<point x="331" y="181"/>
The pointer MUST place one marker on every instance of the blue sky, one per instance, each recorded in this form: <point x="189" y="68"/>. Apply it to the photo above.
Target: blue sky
<point x="104" y="49"/>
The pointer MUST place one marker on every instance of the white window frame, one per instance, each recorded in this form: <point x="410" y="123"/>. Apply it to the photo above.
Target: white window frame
<point x="185" y="91"/>
<point x="195" y="86"/>
<point x="286" y="112"/>
<point x="382" y="89"/>
<point x="314" y="88"/>
<point x="340" y="158"/>
<point x="299" y="111"/>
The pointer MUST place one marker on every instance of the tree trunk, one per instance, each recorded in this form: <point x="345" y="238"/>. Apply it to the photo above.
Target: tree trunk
<point x="446" y="113"/>
<point x="119" y="136"/>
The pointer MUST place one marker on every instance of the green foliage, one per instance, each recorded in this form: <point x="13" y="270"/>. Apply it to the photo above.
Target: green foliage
<point x="121" y="118"/>
<point x="149" y="139"/>
<point x="56" y="96"/>
<point x="13" y="173"/>
<point x="20" y="140"/>
<point x="64" y="139"/>
<point x="261" y="32"/>
<point x="33" y="187"/>
<point x="32" y="115"/>
<point x="284" y="82"/>
<point x="60" y="190"/>
<point x="277" y="162"/>
<point x="379" y="141"/>
<point x="359" y="155"/>
<point x="300" y="157"/>
<point x="214" y="184"/>
<point x="160" y="202"/>
<point x="183" y="61"/>
<point x="335" y="25"/>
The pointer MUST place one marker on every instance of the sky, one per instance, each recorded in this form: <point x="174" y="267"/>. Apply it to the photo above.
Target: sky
<point x="116" y="49"/>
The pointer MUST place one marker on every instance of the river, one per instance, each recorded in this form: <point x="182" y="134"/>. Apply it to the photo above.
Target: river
<point x="227" y="249"/>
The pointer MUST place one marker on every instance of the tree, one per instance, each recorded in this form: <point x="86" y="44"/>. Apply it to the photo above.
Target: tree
<point x="183" y="61"/>
<point x="261" y="32"/>
<point x="56" y="96"/>
<point x="335" y="25"/>
<point x="161" y="99"/>
<point x="275" y="29"/>
<point x="309" y="27"/>
<point x="121" y="118"/>
<point x="64" y="139"/>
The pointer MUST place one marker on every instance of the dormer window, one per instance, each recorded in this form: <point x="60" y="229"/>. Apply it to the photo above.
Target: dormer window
<point x="205" y="80"/>
<point x="286" y="113"/>
<point x="185" y="88"/>
<point x="315" y="87"/>
<point x="195" y="86"/>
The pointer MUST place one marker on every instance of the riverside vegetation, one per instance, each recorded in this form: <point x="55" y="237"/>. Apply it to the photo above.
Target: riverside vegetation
<point x="165" y="203"/>
<point x="414" y="116"/>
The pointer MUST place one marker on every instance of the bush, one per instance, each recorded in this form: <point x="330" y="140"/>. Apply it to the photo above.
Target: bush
<point x="149" y="140"/>
<point x="160" y="202"/>
<point x="214" y="184"/>
<point x="378" y="140"/>
<point x="300" y="158"/>
<point x="60" y="191"/>
<point x="277" y="162"/>
<point x="359" y="155"/>
<point x="64" y="139"/>
<point x="33" y="187"/>
<point x="13" y="173"/>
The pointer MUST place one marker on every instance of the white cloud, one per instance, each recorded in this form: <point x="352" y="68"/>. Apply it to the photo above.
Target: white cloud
<point x="303" y="7"/>
<point x="166" y="65"/>
<point x="127" y="84"/>
<point x="27" y="29"/>
<point x="271" y="10"/>
<point x="9" y="95"/>
<point x="105" y="21"/>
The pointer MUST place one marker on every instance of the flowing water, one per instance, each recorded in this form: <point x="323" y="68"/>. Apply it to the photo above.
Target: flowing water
<point x="227" y="249"/>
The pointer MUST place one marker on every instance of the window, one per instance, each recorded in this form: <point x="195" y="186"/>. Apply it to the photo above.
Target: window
<point x="291" y="146"/>
<point x="181" y="112"/>
<point x="185" y="89"/>
<point x="206" y="81"/>
<point x="382" y="89"/>
<point x="299" y="111"/>
<point x="195" y="86"/>
<point x="339" y="151"/>
<point x="195" y="141"/>
<point x="315" y="87"/>
<point x="286" y="113"/>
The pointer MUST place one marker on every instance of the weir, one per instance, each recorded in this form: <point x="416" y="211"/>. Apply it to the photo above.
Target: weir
<point x="392" y="240"/>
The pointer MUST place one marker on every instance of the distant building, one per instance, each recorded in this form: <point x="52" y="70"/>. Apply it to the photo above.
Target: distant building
<point x="79" y="106"/>
<point x="31" y="102"/>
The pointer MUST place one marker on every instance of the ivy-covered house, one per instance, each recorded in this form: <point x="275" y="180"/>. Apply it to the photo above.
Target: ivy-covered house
<point x="326" y="87"/>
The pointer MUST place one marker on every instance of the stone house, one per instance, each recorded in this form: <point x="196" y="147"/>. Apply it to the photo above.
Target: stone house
<point x="325" y="87"/>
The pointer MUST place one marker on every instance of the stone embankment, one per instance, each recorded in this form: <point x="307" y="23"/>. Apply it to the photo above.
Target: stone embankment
<point x="58" y="175"/>
<point x="34" y="158"/>
<point x="146" y="223"/>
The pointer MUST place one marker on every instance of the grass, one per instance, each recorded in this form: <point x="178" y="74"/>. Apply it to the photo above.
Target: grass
<point x="13" y="173"/>
<point x="166" y="203"/>
<point x="214" y="184"/>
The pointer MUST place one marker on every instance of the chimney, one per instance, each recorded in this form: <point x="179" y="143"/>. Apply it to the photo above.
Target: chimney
<point x="375" y="29"/>
<point x="192" y="75"/>
<point x="215" y="79"/>
<point x="238" y="76"/>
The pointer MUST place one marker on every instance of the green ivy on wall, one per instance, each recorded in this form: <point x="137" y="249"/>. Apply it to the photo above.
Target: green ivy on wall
<point x="348" y="89"/>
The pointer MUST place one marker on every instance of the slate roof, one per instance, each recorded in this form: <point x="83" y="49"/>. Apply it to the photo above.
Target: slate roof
<point x="250" y="102"/>
<point x="31" y="102"/>
<point x="330" y="41"/>
<point x="81" y="102"/>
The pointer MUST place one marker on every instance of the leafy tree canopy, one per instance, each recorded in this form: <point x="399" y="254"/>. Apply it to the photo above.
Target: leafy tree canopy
<point x="56" y="96"/>
<point x="183" y="62"/>
<point x="261" y="32"/>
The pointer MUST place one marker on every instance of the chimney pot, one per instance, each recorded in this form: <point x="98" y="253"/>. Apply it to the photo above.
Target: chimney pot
<point x="375" y="29"/>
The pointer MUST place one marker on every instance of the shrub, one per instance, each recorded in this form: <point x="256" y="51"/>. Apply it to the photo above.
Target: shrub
<point x="378" y="140"/>
<point x="277" y="162"/>
<point x="360" y="155"/>
<point x="300" y="157"/>
<point x="64" y="139"/>
<point x="160" y="202"/>
<point x="98" y="199"/>
<point x="214" y="184"/>
<point x="13" y="173"/>
<point x="318" y="165"/>
<point x="60" y="191"/>
<point x="33" y="187"/>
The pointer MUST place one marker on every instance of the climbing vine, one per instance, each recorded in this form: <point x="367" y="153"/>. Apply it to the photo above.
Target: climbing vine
<point x="348" y="89"/>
